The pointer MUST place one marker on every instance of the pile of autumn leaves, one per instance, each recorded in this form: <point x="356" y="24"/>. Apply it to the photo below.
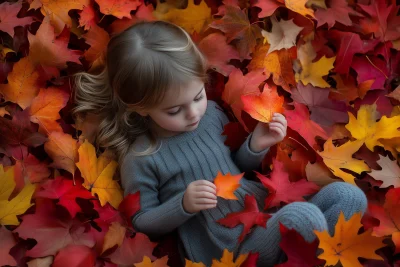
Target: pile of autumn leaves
<point x="331" y="67"/>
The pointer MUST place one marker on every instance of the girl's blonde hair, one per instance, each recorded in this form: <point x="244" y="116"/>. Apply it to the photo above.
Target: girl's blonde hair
<point x="142" y="63"/>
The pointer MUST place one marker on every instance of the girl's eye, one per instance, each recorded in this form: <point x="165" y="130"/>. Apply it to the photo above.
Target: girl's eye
<point x="198" y="99"/>
<point x="174" y="113"/>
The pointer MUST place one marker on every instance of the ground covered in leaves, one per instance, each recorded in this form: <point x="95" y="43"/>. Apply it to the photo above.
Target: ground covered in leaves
<point x="331" y="67"/>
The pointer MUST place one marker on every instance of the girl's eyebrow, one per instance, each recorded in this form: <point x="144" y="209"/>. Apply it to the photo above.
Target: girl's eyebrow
<point x="193" y="99"/>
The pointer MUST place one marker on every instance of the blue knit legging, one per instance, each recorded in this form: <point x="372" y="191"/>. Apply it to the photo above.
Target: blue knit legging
<point x="320" y="213"/>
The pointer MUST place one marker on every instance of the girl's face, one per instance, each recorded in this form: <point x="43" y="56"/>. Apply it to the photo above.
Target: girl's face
<point x="180" y="110"/>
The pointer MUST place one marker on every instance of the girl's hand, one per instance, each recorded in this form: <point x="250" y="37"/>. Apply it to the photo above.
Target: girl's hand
<point x="200" y="195"/>
<point x="268" y="134"/>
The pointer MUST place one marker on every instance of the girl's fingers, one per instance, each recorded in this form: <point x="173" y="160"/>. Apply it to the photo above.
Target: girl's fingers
<point x="205" y="183"/>
<point x="204" y="188"/>
<point x="278" y="130"/>
<point x="205" y="195"/>
<point x="206" y="206"/>
<point x="206" y="201"/>
<point x="277" y="124"/>
<point x="277" y="117"/>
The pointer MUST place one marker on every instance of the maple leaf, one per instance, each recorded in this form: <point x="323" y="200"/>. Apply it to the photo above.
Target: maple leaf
<point x="98" y="39"/>
<point x="267" y="7"/>
<point x="45" y="109"/>
<point x="299" y="6"/>
<point x="30" y="170"/>
<point x="47" y="50"/>
<point x="47" y="222"/>
<point x="118" y="8"/>
<point x="9" y="19"/>
<point x="133" y="250"/>
<point x="66" y="192"/>
<point x="227" y="184"/>
<point x="87" y="18"/>
<point x="218" y="53"/>
<point x="114" y="236"/>
<point x="388" y="216"/>
<point x="312" y="72"/>
<point x="323" y="110"/>
<point x="22" y="86"/>
<point x="249" y="217"/>
<point x="7" y="242"/>
<point x="346" y="245"/>
<point x="298" y="251"/>
<point x="348" y="44"/>
<point x="63" y="149"/>
<point x="98" y="174"/>
<point x="227" y="260"/>
<point x="283" y="34"/>
<point x="371" y="68"/>
<point x="262" y="107"/>
<point x="75" y="255"/>
<point x="377" y="23"/>
<point x="189" y="263"/>
<point x="236" y="26"/>
<point x="366" y="129"/>
<point x="299" y="120"/>
<point x="277" y="63"/>
<point x="57" y="11"/>
<point x="236" y="135"/>
<point x="347" y="90"/>
<point x="161" y="262"/>
<point x="18" y="134"/>
<point x="281" y="189"/>
<point x="338" y="11"/>
<point x="18" y="204"/>
<point x="238" y="85"/>
<point x="319" y="174"/>
<point x="130" y="205"/>
<point x="39" y="262"/>
<point x="193" y="18"/>
<point x="337" y="158"/>
<point x="389" y="174"/>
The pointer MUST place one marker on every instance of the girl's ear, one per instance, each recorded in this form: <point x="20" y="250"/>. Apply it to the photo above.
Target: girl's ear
<point x="142" y="113"/>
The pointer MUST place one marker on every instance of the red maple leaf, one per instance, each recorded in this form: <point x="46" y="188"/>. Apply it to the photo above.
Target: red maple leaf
<point x="300" y="253"/>
<point x="9" y="19"/>
<point x="129" y="206"/>
<point x="18" y="134"/>
<point x="75" y="255"/>
<point x="53" y="230"/>
<point x="7" y="242"/>
<point x="249" y="217"/>
<point x="281" y="189"/>
<point x="66" y="192"/>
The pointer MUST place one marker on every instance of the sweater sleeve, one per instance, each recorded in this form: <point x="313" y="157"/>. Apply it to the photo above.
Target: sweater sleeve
<point x="244" y="157"/>
<point x="154" y="218"/>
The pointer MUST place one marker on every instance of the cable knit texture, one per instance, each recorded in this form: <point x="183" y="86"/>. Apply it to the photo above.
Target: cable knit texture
<point x="162" y="179"/>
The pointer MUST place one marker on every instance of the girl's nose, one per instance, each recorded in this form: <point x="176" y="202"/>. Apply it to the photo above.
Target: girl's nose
<point x="191" y="113"/>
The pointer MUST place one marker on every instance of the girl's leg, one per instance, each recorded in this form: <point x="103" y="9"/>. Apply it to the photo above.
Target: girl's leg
<point x="302" y="216"/>
<point x="339" y="196"/>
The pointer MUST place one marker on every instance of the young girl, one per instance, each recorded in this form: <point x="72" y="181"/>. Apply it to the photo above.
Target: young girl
<point x="153" y="111"/>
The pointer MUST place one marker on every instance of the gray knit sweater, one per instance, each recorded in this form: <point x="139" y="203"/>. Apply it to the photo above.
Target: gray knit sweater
<point x="163" y="177"/>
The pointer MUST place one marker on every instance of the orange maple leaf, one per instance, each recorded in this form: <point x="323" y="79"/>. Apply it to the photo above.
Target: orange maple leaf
<point x="346" y="245"/>
<point x="227" y="260"/>
<point x="22" y="83"/>
<point x="262" y="107"/>
<point x="63" y="149"/>
<point x="227" y="184"/>
<point x="189" y="263"/>
<point x="118" y="8"/>
<point x="114" y="236"/>
<point x="161" y="262"/>
<point x="45" y="109"/>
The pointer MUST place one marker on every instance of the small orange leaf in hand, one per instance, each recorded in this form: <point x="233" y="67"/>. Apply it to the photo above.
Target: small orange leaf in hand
<point x="263" y="106"/>
<point x="227" y="184"/>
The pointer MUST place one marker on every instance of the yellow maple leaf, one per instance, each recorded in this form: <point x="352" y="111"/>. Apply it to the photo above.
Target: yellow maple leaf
<point x="227" y="184"/>
<point x="16" y="206"/>
<point x="193" y="18"/>
<point x="161" y="262"/>
<point x="227" y="260"/>
<point x="346" y="245"/>
<point x="21" y="87"/>
<point x="365" y="127"/>
<point x="312" y="72"/>
<point x="98" y="174"/>
<point x="337" y="158"/>
<point x="189" y="263"/>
